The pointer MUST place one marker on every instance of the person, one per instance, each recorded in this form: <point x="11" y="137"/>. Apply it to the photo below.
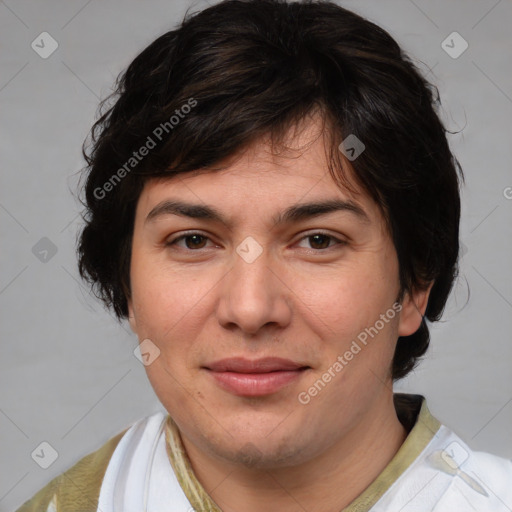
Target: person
<point x="272" y="203"/>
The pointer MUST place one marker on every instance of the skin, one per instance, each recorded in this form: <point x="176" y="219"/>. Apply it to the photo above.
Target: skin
<point x="304" y="299"/>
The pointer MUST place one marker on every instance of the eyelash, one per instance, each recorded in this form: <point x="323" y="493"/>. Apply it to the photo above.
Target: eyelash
<point x="196" y="233"/>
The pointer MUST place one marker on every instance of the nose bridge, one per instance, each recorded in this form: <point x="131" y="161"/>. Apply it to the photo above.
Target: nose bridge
<point x="249" y="277"/>
<point x="256" y="270"/>
<point x="251" y="295"/>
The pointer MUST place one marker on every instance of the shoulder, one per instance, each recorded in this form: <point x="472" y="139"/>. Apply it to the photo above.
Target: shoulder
<point x="439" y="472"/>
<point x="78" y="488"/>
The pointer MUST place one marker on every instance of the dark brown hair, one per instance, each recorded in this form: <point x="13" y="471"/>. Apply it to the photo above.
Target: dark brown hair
<point x="243" y="69"/>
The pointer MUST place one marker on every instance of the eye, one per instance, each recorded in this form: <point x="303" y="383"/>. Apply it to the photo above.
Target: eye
<point x="192" y="241"/>
<point x="195" y="241"/>
<point x="321" y="241"/>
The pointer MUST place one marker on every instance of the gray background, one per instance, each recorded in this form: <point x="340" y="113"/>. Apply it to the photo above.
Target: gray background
<point x="68" y="373"/>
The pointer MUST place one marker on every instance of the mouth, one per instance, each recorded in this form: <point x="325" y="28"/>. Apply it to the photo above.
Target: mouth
<point x="244" y="377"/>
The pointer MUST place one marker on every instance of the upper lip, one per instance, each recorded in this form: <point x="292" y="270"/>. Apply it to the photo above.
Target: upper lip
<point x="263" y="365"/>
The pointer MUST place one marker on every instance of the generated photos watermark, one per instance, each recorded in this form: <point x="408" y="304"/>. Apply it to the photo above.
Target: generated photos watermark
<point x="156" y="136"/>
<point x="146" y="352"/>
<point x="343" y="360"/>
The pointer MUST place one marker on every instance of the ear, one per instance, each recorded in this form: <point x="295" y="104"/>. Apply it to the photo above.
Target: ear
<point x="414" y="306"/>
<point x="131" y="317"/>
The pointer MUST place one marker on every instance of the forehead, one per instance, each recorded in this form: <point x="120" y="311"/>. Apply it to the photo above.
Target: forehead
<point x="263" y="176"/>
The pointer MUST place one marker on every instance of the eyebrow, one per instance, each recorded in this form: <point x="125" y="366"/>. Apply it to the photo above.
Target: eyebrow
<point x="294" y="213"/>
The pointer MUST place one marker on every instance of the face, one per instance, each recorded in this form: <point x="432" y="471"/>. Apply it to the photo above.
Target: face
<point x="242" y="272"/>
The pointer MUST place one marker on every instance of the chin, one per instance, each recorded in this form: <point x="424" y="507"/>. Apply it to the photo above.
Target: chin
<point x="262" y="448"/>
<point x="260" y="455"/>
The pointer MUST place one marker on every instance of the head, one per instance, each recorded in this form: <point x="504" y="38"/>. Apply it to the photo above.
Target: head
<point x="199" y="171"/>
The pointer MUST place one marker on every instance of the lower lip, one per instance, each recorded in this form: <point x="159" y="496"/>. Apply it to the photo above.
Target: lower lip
<point x="255" y="384"/>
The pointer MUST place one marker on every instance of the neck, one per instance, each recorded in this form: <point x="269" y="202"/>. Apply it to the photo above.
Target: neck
<point x="330" y="481"/>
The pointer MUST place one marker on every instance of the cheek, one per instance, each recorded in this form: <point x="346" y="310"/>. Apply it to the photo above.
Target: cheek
<point x="346" y="301"/>
<point x="163" y="300"/>
<point x="172" y="309"/>
<point x="167" y="308"/>
<point x="344" y="309"/>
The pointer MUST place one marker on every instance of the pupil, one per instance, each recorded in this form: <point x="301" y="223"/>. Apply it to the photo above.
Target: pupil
<point x="196" y="241"/>
<point x="316" y="239"/>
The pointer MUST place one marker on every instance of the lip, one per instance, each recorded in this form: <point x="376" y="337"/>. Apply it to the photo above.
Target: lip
<point x="263" y="365"/>
<point x="245" y="377"/>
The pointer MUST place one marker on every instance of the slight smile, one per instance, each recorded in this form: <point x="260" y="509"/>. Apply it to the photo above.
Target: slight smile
<point x="244" y="377"/>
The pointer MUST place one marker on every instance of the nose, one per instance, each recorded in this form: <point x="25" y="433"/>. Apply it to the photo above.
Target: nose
<point x="254" y="296"/>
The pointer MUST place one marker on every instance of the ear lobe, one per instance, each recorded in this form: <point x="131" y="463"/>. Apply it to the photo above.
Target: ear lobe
<point x="414" y="306"/>
<point x="131" y="317"/>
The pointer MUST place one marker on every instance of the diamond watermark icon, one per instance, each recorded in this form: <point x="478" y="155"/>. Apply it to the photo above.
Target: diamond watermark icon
<point x="146" y="352"/>
<point x="44" y="45"/>
<point x="454" y="455"/>
<point x="454" y="45"/>
<point x="44" y="250"/>
<point x="249" y="250"/>
<point x="352" y="147"/>
<point x="44" y="455"/>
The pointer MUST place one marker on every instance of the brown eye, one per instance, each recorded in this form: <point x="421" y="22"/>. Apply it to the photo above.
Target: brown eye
<point x="191" y="241"/>
<point x="319" y="241"/>
<point x="195" y="241"/>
